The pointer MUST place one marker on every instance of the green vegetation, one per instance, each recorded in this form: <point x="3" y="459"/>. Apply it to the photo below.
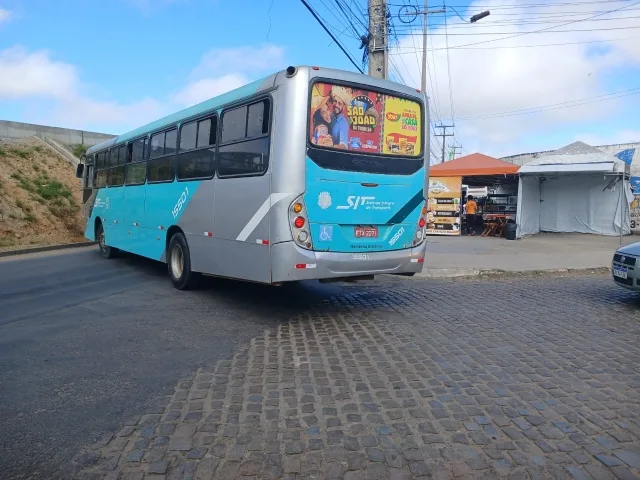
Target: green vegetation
<point x="3" y="152"/>
<point x="22" y="206"/>
<point x="44" y="186"/>
<point x="49" y="189"/>
<point x="38" y="148"/>
<point x="66" y="210"/>
<point x="6" y="242"/>
<point x="79" y="150"/>
<point x="50" y="192"/>
<point x="19" y="152"/>
<point x="24" y="182"/>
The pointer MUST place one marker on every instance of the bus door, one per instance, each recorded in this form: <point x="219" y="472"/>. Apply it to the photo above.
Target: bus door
<point x="242" y="193"/>
<point x="134" y="194"/>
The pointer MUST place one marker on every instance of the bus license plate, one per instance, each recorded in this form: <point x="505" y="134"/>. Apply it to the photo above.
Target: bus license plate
<point x="366" y="232"/>
<point x="620" y="272"/>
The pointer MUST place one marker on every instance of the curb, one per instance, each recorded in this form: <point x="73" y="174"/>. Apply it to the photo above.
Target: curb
<point x="25" y="251"/>
<point x="476" y="273"/>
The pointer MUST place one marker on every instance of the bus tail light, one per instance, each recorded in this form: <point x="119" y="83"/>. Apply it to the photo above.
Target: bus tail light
<point x="300" y="224"/>
<point x="421" y="227"/>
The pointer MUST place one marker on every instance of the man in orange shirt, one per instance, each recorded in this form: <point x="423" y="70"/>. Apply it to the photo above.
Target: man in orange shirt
<point x="471" y="211"/>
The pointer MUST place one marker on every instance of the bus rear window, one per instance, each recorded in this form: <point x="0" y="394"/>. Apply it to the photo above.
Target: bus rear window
<point x="360" y="120"/>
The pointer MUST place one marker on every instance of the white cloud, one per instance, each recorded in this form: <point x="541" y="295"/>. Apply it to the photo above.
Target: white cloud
<point x="85" y="113"/>
<point x="241" y="59"/>
<point x="62" y="99"/>
<point x="487" y="80"/>
<point x="24" y="74"/>
<point x="200" y="90"/>
<point x="623" y="136"/>
<point x="35" y="76"/>
<point x="224" y="69"/>
<point x="5" y="16"/>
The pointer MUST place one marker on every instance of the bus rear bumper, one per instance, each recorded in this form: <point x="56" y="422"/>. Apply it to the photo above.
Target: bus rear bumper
<point x="290" y="263"/>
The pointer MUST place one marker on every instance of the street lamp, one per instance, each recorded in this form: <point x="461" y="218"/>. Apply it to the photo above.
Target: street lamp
<point x="408" y="14"/>
<point x="480" y="16"/>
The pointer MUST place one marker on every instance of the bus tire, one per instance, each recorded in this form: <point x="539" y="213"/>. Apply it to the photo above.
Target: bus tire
<point x="179" y="264"/>
<point x="105" y="250"/>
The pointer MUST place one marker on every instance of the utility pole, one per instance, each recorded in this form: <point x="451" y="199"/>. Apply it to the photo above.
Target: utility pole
<point x="378" y="39"/>
<point x="453" y="152"/>
<point x="444" y="134"/>
<point x="425" y="23"/>
<point x="408" y="14"/>
<point x="423" y="83"/>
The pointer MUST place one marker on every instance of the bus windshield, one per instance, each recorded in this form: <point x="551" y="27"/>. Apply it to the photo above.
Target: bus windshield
<point x="364" y="121"/>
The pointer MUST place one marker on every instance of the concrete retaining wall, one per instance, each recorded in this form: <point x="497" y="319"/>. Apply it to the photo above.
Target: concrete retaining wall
<point x="63" y="135"/>
<point x="62" y="151"/>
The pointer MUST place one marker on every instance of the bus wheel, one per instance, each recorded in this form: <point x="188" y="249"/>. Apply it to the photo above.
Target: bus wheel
<point x="105" y="250"/>
<point x="179" y="264"/>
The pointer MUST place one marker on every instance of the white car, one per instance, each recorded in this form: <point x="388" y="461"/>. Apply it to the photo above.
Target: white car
<point x="625" y="267"/>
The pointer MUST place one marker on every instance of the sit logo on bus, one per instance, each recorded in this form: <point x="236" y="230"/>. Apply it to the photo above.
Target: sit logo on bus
<point x="355" y="201"/>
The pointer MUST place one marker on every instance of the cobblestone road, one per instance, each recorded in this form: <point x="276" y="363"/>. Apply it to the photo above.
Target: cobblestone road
<point x="522" y="378"/>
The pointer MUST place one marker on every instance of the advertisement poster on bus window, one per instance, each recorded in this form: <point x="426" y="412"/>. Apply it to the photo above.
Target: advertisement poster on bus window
<point x="344" y="117"/>
<point x="443" y="209"/>
<point x="401" y="126"/>
<point x="356" y="119"/>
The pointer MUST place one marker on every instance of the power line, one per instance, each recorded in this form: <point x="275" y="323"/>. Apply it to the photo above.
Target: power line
<point x="434" y="87"/>
<point x="517" y="22"/>
<point x="408" y="50"/>
<point x="535" y="31"/>
<point x="529" y="15"/>
<point x="349" y="15"/>
<point x="548" y="14"/>
<point x="331" y="34"/>
<point x="555" y="106"/>
<point x="341" y="21"/>
<point x="449" y="73"/>
<point x="444" y="134"/>
<point x="549" y="28"/>
<point x="537" y="5"/>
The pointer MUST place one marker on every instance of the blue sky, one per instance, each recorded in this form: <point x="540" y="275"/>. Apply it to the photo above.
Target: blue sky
<point x="111" y="66"/>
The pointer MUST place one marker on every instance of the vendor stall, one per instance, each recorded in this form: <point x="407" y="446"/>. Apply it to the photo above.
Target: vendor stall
<point x="577" y="188"/>
<point x="492" y="183"/>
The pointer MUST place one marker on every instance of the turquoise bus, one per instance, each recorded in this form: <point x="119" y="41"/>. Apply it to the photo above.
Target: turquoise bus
<point x="308" y="174"/>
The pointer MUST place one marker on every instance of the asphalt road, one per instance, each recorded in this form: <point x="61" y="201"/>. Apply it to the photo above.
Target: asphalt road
<point x="88" y="343"/>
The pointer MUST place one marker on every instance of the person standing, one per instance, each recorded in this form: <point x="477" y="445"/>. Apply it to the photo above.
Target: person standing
<point x="471" y="215"/>
<point x="339" y="124"/>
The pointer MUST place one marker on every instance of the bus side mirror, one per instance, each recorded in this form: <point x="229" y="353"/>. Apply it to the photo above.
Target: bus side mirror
<point x="80" y="170"/>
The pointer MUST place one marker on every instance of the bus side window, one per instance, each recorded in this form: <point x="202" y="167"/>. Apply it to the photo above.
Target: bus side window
<point x="245" y="140"/>
<point x="89" y="172"/>
<point x="102" y="166"/>
<point x="197" y="154"/>
<point x="136" y="173"/>
<point x="163" y="148"/>
<point x="116" y="167"/>
<point x="90" y="177"/>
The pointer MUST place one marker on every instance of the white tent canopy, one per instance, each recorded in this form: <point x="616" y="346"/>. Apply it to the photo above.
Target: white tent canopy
<point x="577" y="188"/>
